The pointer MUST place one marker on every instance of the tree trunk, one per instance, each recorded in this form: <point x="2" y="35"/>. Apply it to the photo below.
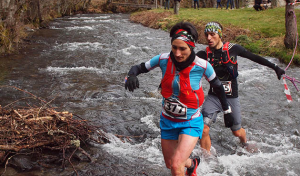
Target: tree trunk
<point x="237" y="4"/>
<point x="244" y="3"/>
<point x="176" y="7"/>
<point x="203" y="4"/>
<point x="10" y="15"/>
<point x="290" y="25"/>
<point x="39" y="11"/>
<point x="274" y="3"/>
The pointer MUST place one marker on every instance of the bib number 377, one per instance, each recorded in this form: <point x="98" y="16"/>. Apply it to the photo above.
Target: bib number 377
<point x="175" y="109"/>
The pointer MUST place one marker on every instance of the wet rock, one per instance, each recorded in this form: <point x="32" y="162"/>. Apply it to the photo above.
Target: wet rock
<point x="296" y="132"/>
<point x="28" y="29"/>
<point x="2" y="156"/>
<point x="22" y="163"/>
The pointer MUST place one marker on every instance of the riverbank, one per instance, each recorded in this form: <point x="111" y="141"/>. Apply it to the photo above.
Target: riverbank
<point x="19" y="19"/>
<point x="264" y="36"/>
<point x="260" y="32"/>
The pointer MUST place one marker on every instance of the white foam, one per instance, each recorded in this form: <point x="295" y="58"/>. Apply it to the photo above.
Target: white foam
<point x="80" y="28"/>
<point x="87" y="18"/>
<point x="245" y="72"/>
<point x="125" y="51"/>
<point x="148" y="120"/>
<point x="148" y="150"/>
<point x="90" y="21"/>
<point x="107" y="21"/>
<point x="67" y="70"/>
<point x="136" y="34"/>
<point x="235" y="164"/>
<point x="79" y="45"/>
<point x="54" y="27"/>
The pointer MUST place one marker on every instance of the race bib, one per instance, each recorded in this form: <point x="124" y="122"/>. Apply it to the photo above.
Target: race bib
<point x="227" y="87"/>
<point x="174" y="108"/>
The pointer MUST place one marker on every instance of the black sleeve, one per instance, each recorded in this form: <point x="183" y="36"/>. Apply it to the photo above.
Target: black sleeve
<point x="219" y="90"/>
<point x="138" y="69"/>
<point x="256" y="58"/>
<point x="202" y="54"/>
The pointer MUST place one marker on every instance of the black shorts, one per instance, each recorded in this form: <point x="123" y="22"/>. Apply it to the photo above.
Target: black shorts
<point x="212" y="106"/>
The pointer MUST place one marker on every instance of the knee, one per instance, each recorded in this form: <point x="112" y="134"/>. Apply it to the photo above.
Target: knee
<point x="168" y="164"/>
<point x="238" y="133"/>
<point x="205" y="131"/>
<point x="176" y="168"/>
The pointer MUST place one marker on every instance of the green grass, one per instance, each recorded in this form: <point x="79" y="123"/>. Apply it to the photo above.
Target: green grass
<point x="267" y="28"/>
<point x="270" y="22"/>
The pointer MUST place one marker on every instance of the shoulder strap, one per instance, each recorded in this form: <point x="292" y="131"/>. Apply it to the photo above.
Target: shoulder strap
<point x="225" y="46"/>
<point x="225" y="49"/>
<point x="208" y="51"/>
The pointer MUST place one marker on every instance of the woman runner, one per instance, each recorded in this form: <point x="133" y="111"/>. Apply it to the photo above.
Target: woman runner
<point x="181" y="121"/>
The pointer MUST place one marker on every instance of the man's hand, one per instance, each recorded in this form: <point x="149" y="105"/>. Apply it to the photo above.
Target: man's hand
<point x="279" y="72"/>
<point x="131" y="83"/>
<point x="228" y="118"/>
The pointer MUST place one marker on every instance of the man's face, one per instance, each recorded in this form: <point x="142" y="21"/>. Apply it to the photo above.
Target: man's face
<point x="213" y="40"/>
<point x="180" y="50"/>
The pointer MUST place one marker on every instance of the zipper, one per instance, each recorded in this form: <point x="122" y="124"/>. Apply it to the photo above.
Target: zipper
<point x="177" y="81"/>
<point x="196" y="98"/>
<point x="173" y="70"/>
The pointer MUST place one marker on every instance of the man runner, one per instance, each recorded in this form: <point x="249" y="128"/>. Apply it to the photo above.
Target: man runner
<point x="223" y="57"/>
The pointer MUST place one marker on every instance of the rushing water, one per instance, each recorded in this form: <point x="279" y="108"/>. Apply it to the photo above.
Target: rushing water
<point x="79" y="65"/>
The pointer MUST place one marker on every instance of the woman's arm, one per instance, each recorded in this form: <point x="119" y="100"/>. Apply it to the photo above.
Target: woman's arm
<point x="131" y="81"/>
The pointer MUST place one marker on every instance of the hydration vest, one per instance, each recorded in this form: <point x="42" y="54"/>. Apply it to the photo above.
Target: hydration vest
<point x="187" y="96"/>
<point x="231" y="65"/>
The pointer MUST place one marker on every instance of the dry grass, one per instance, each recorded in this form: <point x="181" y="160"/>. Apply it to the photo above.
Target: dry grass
<point x="276" y="41"/>
<point x="95" y="6"/>
<point x="160" y="20"/>
<point x="150" y="19"/>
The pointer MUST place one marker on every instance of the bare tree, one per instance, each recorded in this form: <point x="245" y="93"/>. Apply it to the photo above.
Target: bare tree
<point x="176" y="6"/>
<point x="290" y="25"/>
<point x="237" y="4"/>
<point x="203" y="4"/>
<point x="39" y="11"/>
<point x="10" y="13"/>
<point x="274" y="3"/>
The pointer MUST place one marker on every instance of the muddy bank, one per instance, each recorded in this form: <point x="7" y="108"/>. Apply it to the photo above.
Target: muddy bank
<point x="20" y="18"/>
<point x="159" y="20"/>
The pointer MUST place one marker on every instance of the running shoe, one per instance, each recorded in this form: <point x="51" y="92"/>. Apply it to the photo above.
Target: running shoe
<point x="192" y="171"/>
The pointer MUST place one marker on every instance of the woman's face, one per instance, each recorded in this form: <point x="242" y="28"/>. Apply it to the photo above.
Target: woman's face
<point x="180" y="50"/>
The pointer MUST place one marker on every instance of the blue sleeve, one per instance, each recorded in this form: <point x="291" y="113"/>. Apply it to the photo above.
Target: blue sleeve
<point x="210" y="72"/>
<point x="152" y="63"/>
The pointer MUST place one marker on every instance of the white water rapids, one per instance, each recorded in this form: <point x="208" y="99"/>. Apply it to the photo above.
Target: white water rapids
<point x="82" y="60"/>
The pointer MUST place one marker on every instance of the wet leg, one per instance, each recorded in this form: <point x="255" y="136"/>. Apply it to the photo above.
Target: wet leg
<point x="205" y="141"/>
<point x="241" y="134"/>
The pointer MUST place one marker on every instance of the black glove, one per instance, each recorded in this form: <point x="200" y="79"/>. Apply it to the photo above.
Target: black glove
<point x="228" y="118"/>
<point x="279" y="72"/>
<point x="132" y="83"/>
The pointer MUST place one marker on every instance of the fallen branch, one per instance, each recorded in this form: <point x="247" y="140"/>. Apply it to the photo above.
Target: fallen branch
<point x="40" y="129"/>
<point x="44" y="128"/>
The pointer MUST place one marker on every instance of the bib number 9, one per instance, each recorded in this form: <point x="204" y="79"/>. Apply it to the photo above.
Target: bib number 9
<point x="227" y="87"/>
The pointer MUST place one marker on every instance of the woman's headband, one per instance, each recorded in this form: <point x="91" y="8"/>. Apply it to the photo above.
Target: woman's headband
<point x="184" y="36"/>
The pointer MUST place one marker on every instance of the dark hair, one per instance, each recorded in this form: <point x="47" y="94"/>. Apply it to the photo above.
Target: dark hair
<point x="189" y="27"/>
